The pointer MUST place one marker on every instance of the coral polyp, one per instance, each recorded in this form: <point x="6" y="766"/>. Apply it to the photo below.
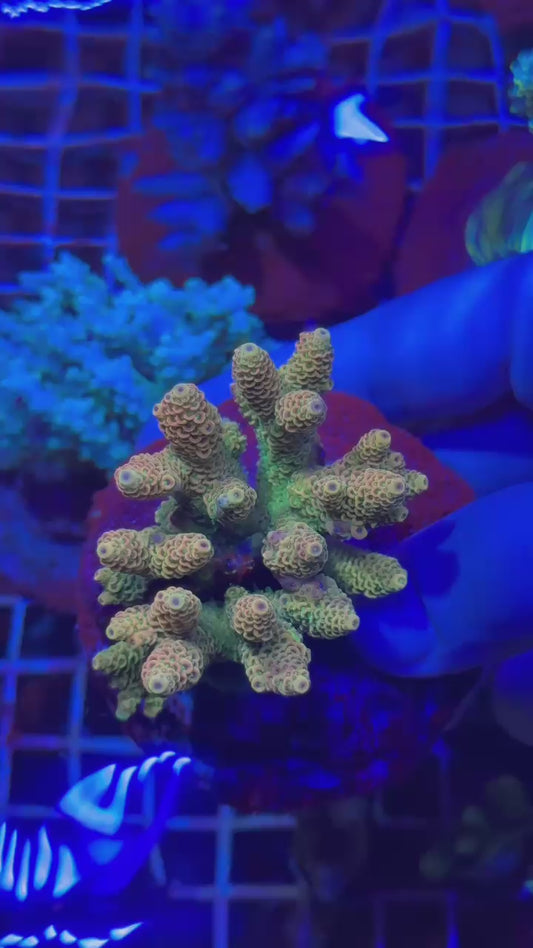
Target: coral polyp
<point x="301" y="523"/>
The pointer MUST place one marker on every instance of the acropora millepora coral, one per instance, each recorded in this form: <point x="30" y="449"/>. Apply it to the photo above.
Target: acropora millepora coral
<point x="294" y="522"/>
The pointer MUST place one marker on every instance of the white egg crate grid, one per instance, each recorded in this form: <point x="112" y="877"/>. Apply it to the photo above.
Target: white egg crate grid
<point x="460" y="90"/>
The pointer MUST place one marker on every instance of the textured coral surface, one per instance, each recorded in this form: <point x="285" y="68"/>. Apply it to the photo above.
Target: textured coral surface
<point x="500" y="225"/>
<point x="521" y="91"/>
<point x="83" y="359"/>
<point x="348" y="419"/>
<point x="246" y="571"/>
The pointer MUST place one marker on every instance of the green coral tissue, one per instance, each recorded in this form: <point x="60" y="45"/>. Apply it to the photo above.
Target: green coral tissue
<point x="180" y="610"/>
<point x="83" y="358"/>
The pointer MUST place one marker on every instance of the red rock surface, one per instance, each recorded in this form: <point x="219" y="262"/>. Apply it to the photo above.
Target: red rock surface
<point x="509" y="14"/>
<point x="433" y="245"/>
<point x="34" y="564"/>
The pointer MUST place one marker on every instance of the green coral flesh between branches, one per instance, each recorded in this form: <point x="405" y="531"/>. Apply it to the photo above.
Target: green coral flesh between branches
<point x="294" y="523"/>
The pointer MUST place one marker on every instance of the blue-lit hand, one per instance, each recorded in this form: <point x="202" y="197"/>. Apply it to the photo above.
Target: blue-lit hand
<point x="452" y="363"/>
<point x="469" y="599"/>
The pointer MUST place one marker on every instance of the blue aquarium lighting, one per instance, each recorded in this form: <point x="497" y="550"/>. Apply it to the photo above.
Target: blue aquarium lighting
<point x="82" y="802"/>
<point x="350" y="122"/>
<point x="42" y="869"/>
<point x="16" y="9"/>
<point x="36" y="865"/>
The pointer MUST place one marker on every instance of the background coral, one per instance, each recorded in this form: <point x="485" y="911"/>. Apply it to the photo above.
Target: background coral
<point x="489" y="842"/>
<point x="242" y="110"/>
<point x="487" y="217"/>
<point x="434" y="242"/>
<point x="84" y="358"/>
<point x="501" y="224"/>
<point x="241" y="169"/>
<point x="521" y="93"/>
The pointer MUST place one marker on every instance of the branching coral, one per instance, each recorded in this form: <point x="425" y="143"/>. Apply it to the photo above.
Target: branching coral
<point x="294" y="520"/>
<point x="84" y="358"/>
<point x="241" y="106"/>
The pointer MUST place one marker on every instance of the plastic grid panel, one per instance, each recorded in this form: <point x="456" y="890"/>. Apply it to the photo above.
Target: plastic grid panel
<point x="72" y="94"/>
<point x="381" y="54"/>
<point x="390" y="71"/>
<point x="222" y="829"/>
<point x="396" y="22"/>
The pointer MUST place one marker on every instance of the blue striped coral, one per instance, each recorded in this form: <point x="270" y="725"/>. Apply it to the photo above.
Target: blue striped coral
<point x="83" y="358"/>
<point x="242" y="111"/>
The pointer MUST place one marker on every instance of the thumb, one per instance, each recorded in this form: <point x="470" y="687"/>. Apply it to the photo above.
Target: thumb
<point x="469" y="598"/>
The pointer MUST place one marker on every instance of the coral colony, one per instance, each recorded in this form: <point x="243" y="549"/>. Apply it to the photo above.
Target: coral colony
<point x="502" y="223"/>
<point x="247" y="121"/>
<point x="79" y="383"/>
<point x="181" y="615"/>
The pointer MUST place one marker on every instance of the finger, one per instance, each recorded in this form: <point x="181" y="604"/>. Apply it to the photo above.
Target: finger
<point x="469" y="598"/>
<point x="489" y="453"/>
<point x="447" y="351"/>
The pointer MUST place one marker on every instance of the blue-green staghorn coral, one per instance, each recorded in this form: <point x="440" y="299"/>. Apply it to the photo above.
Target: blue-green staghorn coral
<point x="83" y="357"/>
